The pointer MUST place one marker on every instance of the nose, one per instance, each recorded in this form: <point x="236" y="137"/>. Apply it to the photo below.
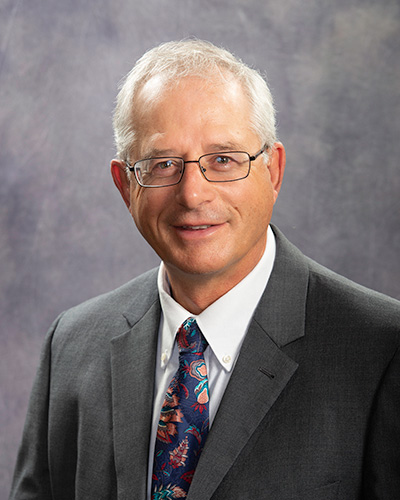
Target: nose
<point x="194" y="189"/>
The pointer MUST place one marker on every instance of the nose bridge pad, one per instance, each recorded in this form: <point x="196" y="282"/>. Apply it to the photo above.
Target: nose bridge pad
<point x="202" y="169"/>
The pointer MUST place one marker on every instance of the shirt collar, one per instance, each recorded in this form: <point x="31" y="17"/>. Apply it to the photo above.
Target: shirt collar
<point x="225" y="322"/>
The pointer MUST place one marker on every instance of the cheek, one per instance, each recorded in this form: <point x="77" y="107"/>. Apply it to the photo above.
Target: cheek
<point x="259" y="208"/>
<point x="146" y="208"/>
<point x="258" y="199"/>
<point x="138" y="206"/>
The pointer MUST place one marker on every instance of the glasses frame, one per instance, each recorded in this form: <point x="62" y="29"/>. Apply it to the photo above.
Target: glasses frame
<point x="252" y="158"/>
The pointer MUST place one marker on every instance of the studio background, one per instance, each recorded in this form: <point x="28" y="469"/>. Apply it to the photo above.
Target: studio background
<point x="66" y="235"/>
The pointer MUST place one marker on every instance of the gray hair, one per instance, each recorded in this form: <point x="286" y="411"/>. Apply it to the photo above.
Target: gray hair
<point x="176" y="60"/>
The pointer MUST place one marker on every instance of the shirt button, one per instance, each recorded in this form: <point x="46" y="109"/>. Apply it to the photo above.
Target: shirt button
<point x="164" y="357"/>
<point x="226" y="359"/>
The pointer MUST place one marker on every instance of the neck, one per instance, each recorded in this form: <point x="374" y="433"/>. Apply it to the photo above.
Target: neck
<point x="195" y="292"/>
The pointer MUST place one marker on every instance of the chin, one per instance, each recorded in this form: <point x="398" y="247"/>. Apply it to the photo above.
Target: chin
<point x="196" y="268"/>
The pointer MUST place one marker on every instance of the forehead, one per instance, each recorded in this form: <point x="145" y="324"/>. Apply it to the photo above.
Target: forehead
<point x="158" y="86"/>
<point x="213" y="109"/>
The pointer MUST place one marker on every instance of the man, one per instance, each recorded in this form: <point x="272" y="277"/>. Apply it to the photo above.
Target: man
<point x="292" y="372"/>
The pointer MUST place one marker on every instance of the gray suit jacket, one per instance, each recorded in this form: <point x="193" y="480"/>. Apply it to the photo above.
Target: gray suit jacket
<point x="311" y="411"/>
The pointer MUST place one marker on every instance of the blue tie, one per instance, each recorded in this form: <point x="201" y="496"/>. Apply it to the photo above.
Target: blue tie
<point x="183" y="425"/>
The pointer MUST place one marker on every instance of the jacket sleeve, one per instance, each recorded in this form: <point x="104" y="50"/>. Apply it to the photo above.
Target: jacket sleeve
<point x="382" y="461"/>
<point x="31" y="476"/>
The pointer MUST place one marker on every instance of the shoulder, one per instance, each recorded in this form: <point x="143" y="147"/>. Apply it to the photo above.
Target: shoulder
<point x="111" y="313"/>
<point x="347" y="299"/>
<point x="351" y="319"/>
<point x="329" y="299"/>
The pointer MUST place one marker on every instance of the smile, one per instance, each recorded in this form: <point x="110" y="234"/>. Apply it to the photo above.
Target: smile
<point x="195" y="228"/>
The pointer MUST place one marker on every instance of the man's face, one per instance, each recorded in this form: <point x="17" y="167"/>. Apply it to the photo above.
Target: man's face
<point x="200" y="228"/>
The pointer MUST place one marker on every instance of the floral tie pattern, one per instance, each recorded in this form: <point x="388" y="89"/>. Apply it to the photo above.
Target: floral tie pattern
<point x="183" y="425"/>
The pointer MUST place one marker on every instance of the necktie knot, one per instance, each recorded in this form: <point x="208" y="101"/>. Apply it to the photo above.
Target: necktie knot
<point x="190" y="339"/>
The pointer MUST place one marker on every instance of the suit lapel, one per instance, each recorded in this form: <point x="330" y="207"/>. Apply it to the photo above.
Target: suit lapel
<point x="133" y="364"/>
<point x="261" y="373"/>
<point x="262" y="370"/>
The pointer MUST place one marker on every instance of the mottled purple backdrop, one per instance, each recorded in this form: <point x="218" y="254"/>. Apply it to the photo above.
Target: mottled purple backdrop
<point x="66" y="234"/>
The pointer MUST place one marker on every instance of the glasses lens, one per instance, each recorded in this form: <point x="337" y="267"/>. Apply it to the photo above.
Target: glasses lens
<point x="159" y="171"/>
<point x="227" y="166"/>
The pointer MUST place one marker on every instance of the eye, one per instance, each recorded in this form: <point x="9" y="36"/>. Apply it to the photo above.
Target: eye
<point x="221" y="161"/>
<point x="161" y="167"/>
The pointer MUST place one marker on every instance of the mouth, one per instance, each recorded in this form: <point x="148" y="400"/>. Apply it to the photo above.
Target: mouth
<point x="196" y="228"/>
<point x="197" y="232"/>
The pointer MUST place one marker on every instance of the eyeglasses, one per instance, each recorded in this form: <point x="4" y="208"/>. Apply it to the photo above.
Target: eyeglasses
<point x="166" y="171"/>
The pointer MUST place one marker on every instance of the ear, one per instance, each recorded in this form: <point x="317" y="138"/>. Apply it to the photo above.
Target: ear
<point x="121" y="180"/>
<point x="276" y="166"/>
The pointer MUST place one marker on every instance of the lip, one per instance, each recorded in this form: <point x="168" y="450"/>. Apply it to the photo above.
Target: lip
<point x="197" y="231"/>
<point x="198" y="227"/>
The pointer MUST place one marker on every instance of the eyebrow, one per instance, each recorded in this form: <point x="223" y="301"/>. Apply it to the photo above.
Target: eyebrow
<point x="225" y="146"/>
<point x="217" y="147"/>
<point x="154" y="153"/>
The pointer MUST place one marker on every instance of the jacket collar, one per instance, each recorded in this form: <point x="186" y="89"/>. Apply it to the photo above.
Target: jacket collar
<point x="282" y="308"/>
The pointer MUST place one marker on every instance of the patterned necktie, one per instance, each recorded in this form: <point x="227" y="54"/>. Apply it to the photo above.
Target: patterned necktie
<point x="183" y="425"/>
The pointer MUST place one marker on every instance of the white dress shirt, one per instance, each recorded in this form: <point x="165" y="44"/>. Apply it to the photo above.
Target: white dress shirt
<point x="224" y="324"/>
